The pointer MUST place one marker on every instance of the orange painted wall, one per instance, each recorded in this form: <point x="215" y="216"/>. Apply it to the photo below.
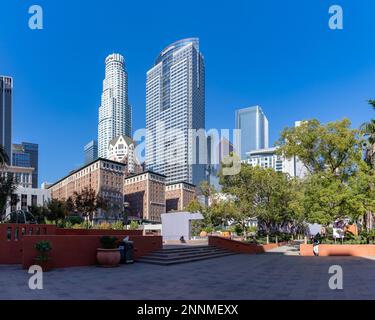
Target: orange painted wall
<point x="93" y="232"/>
<point x="241" y="247"/>
<point x="325" y="250"/>
<point x="11" y="248"/>
<point x="73" y="251"/>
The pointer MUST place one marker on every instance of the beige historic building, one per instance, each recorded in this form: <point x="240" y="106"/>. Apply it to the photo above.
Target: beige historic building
<point x="22" y="175"/>
<point x="122" y="149"/>
<point x="145" y="194"/>
<point x="178" y="196"/>
<point x="104" y="176"/>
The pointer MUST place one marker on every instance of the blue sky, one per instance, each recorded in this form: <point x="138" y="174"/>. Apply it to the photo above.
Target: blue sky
<point x="278" y="54"/>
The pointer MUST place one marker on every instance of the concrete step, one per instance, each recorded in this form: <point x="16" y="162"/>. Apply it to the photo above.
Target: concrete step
<point x="184" y="249"/>
<point x="184" y="256"/>
<point x="186" y="259"/>
<point x="162" y="254"/>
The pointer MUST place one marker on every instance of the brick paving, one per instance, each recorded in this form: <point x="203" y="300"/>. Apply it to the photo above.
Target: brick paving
<point x="280" y="274"/>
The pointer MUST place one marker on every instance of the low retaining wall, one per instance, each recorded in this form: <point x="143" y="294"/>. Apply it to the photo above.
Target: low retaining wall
<point x="95" y="232"/>
<point x="11" y="236"/>
<point x="325" y="250"/>
<point x="12" y="244"/>
<point x="74" y="251"/>
<point x="241" y="247"/>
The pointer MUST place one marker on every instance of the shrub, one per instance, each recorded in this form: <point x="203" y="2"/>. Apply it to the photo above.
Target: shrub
<point x="74" y="219"/>
<point x="117" y="225"/>
<point x="134" y="225"/>
<point x="43" y="247"/>
<point x="108" y="242"/>
<point x="238" y="229"/>
<point x="77" y="226"/>
<point x="104" y="226"/>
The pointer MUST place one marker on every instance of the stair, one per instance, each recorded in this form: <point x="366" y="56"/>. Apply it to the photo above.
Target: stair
<point x="166" y="257"/>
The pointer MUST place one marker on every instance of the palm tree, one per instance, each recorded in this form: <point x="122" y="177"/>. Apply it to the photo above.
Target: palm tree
<point x="368" y="130"/>
<point x="3" y="156"/>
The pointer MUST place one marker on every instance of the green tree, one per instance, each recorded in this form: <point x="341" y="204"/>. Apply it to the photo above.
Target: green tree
<point x="56" y="210"/>
<point x="87" y="202"/>
<point x="333" y="148"/>
<point x="368" y="130"/>
<point x="260" y="193"/>
<point x="3" y="156"/>
<point x="332" y="154"/>
<point x="8" y="186"/>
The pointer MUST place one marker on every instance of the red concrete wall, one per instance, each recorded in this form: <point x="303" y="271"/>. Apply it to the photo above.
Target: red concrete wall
<point x="94" y="232"/>
<point x="325" y="250"/>
<point x="241" y="247"/>
<point x="80" y="250"/>
<point x="11" y="242"/>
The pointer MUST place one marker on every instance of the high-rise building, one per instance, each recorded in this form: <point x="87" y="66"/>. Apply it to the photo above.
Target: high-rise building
<point x="6" y="93"/>
<point x="268" y="158"/>
<point x="175" y="103"/>
<point x="122" y="149"/>
<point x="217" y="151"/>
<point x="254" y="134"/>
<point x="91" y="151"/>
<point x="27" y="155"/>
<point x="114" y="111"/>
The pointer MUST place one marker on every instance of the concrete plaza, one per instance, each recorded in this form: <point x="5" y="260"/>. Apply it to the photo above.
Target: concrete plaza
<point x="280" y="274"/>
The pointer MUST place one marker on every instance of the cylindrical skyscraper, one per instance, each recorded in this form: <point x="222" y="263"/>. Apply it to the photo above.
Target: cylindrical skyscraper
<point x="114" y="111"/>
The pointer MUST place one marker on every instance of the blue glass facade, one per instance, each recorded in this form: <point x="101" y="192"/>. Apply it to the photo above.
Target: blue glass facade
<point x="254" y="129"/>
<point x="91" y="151"/>
<point x="27" y="155"/>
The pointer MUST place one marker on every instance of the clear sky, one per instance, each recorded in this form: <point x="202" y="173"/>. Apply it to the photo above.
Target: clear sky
<point x="278" y="54"/>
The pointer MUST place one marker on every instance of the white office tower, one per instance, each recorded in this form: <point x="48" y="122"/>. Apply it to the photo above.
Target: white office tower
<point x="115" y="111"/>
<point x="175" y="103"/>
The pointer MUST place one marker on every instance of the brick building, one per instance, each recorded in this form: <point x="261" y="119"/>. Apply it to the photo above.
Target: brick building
<point x="179" y="195"/>
<point x="104" y="176"/>
<point x="145" y="193"/>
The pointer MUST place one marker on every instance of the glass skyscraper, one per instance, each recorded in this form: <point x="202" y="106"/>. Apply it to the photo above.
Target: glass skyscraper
<point x="6" y="92"/>
<point x="91" y="151"/>
<point x="27" y="155"/>
<point x="114" y="111"/>
<point x="253" y="124"/>
<point x="175" y="103"/>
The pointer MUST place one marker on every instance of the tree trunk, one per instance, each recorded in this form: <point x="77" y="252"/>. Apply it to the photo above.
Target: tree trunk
<point x="268" y="239"/>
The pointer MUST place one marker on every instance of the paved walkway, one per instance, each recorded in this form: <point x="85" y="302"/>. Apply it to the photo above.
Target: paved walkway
<point x="274" y="275"/>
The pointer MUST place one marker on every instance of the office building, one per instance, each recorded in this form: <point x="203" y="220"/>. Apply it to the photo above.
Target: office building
<point x="114" y="111"/>
<point x="268" y="158"/>
<point x="6" y="96"/>
<point x="178" y="196"/>
<point x="22" y="175"/>
<point x="175" y="103"/>
<point x="91" y="151"/>
<point x="145" y="194"/>
<point x="104" y="176"/>
<point x="217" y="151"/>
<point x="27" y="155"/>
<point x="253" y="124"/>
<point x="23" y="198"/>
<point x="122" y="149"/>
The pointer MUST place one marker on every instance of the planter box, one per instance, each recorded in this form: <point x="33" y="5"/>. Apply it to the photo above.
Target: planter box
<point x="325" y="250"/>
